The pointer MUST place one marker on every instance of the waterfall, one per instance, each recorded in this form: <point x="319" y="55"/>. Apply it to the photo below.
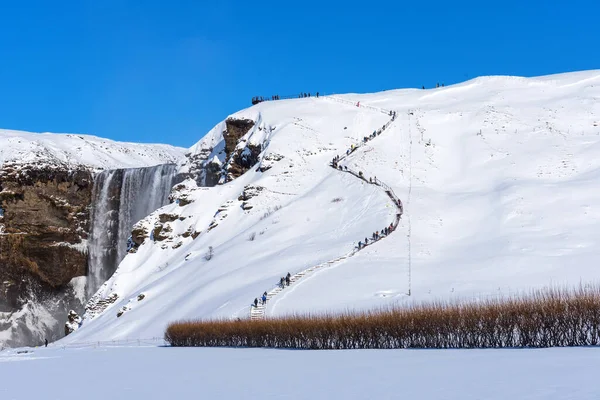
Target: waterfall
<point x="120" y="198"/>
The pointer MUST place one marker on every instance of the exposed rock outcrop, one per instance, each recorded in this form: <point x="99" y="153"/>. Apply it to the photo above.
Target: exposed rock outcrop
<point x="45" y="223"/>
<point x="73" y="322"/>
<point x="43" y="237"/>
<point x="236" y="129"/>
<point x="269" y="160"/>
<point x="250" y="191"/>
<point x="238" y="148"/>
<point x="241" y="155"/>
<point x="97" y="304"/>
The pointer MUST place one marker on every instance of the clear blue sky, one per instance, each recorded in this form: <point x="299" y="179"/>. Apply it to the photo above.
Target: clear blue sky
<point x="167" y="71"/>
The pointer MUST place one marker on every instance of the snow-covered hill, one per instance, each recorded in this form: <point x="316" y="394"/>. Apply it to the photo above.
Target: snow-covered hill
<point x="498" y="177"/>
<point x="82" y="150"/>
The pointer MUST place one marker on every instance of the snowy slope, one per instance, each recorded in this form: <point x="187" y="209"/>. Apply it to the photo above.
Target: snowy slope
<point x="91" y="151"/>
<point x="498" y="176"/>
<point x="141" y="372"/>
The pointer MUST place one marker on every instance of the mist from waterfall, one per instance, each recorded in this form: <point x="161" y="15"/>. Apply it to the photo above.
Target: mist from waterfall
<point x="121" y="197"/>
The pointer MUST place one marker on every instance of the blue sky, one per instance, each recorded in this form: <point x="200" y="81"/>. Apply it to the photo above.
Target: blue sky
<point x="168" y="71"/>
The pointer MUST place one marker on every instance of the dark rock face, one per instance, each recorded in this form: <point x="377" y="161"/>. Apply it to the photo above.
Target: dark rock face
<point x="212" y="174"/>
<point x="236" y="128"/>
<point x="231" y="158"/>
<point x="44" y="228"/>
<point x="239" y="159"/>
<point x="203" y="172"/>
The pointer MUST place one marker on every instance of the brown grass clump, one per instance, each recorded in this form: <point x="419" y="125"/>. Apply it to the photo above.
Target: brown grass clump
<point x="556" y="317"/>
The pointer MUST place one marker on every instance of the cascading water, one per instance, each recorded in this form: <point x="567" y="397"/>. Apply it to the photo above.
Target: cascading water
<point x="122" y="197"/>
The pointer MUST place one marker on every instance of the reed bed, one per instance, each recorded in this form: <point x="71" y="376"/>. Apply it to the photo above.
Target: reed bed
<point x="546" y="318"/>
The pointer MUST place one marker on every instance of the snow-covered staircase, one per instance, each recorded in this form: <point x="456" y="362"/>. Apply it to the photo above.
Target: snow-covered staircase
<point x="258" y="312"/>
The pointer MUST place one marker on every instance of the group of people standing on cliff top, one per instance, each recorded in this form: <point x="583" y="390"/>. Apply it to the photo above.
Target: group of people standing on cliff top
<point x="283" y="282"/>
<point x="260" y="99"/>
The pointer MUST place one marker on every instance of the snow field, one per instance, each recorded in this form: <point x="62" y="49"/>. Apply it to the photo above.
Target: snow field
<point x="498" y="178"/>
<point x="183" y="373"/>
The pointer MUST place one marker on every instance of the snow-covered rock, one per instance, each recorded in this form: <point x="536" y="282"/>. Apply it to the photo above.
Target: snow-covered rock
<point x="73" y="322"/>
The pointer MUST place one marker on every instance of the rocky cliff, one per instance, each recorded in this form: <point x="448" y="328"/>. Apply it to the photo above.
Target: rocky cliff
<point x="233" y="149"/>
<point x="43" y="245"/>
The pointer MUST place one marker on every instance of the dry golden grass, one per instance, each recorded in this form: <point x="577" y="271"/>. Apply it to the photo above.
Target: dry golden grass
<point x="555" y="317"/>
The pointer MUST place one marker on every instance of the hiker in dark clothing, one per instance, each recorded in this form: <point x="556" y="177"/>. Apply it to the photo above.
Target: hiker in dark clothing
<point x="46" y="342"/>
<point x="359" y="244"/>
<point x="255" y="302"/>
<point x="317" y="94"/>
<point x="287" y="280"/>
<point x="282" y="282"/>
<point x="366" y="241"/>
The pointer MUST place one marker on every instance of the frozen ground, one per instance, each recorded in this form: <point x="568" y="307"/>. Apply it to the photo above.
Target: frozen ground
<point x="499" y="177"/>
<point x="133" y="373"/>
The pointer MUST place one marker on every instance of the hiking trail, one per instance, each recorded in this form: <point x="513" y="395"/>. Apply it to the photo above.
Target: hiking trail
<point x="258" y="312"/>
